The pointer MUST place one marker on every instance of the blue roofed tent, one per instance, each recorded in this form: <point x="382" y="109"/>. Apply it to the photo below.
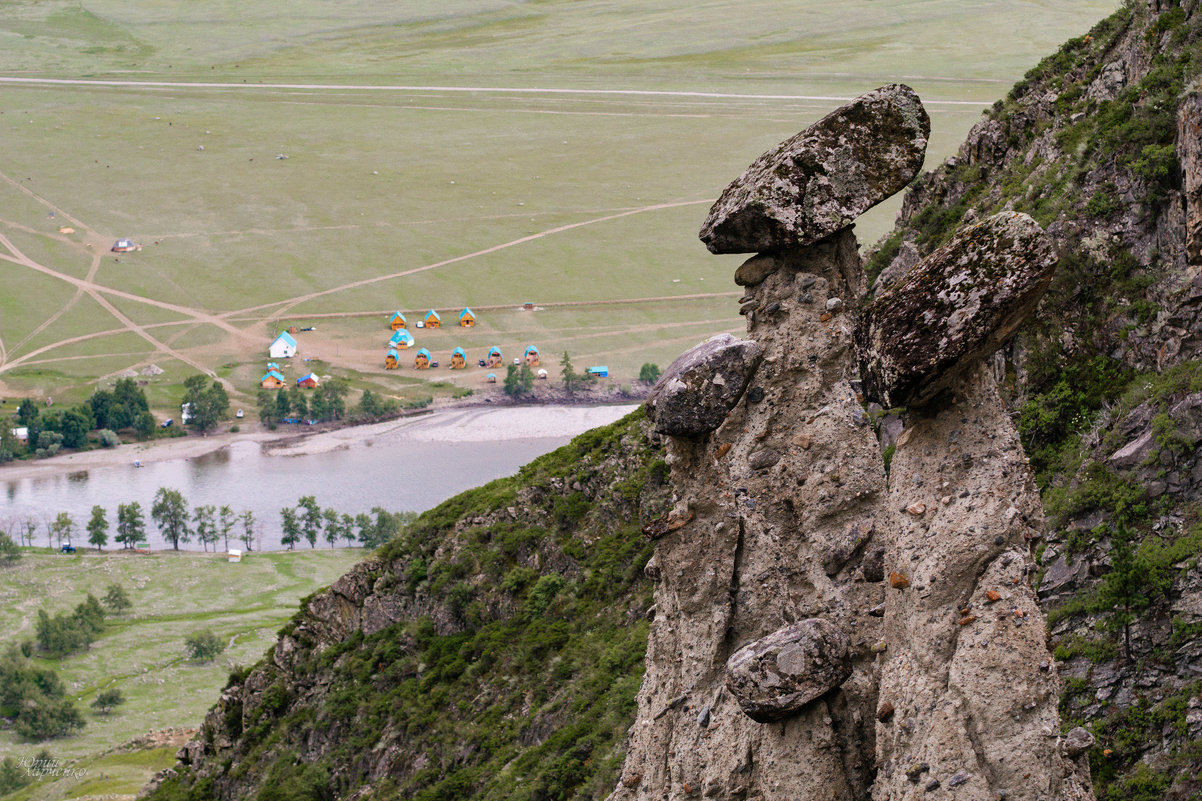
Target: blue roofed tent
<point x="601" y="371"/>
<point x="492" y="378"/>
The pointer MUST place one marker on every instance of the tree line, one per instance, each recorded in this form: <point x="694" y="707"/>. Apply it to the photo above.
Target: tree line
<point x="124" y="408"/>
<point x="209" y="524"/>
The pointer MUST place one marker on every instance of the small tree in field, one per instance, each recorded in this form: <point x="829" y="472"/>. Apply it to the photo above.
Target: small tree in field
<point x="649" y="373"/>
<point x="107" y="701"/>
<point x="203" y="645"/>
<point x="116" y="599"/>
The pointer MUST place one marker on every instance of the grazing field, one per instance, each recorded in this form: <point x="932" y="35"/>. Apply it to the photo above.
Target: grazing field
<point x="309" y="161"/>
<point x="141" y="653"/>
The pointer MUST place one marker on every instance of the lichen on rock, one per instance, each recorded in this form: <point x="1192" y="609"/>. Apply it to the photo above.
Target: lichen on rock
<point x="820" y="180"/>
<point x="695" y="393"/>
<point x="954" y="307"/>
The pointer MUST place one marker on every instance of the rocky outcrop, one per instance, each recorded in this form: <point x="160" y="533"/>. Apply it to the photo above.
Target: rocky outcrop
<point x="774" y="677"/>
<point x="820" y="180"/>
<point x="771" y="600"/>
<point x="957" y="305"/>
<point x="1189" y="149"/>
<point x="695" y="393"/>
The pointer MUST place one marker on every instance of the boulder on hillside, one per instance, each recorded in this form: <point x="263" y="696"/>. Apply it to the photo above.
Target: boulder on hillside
<point x="699" y="389"/>
<point x="820" y="180"/>
<point x="774" y="677"/>
<point x="956" y="306"/>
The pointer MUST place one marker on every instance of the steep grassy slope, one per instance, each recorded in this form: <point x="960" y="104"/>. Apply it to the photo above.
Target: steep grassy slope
<point x="494" y="650"/>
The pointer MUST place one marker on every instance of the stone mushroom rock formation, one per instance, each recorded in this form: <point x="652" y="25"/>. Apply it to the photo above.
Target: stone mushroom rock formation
<point x="773" y="677"/>
<point x="820" y="180"/>
<point x="698" y="390"/>
<point x="956" y="306"/>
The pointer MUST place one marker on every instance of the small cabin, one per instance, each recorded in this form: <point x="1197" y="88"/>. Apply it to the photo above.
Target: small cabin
<point x="494" y="358"/>
<point x="142" y="546"/>
<point x="528" y="306"/>
<point x="274" y="366"/>
<point x="124" y="246"/>
<point x="531" y="356"/>
<point x="466" y="318"/>
<point x="308" y="381"/>
<point x="400" y="339"/>
<point x="234" y="555"/>
<point x="432" y="320"/>
<point x="22" y="434"/>
<point x="397" y="322"/>
<point x="422" y="360"/>
<point x="272" y="380"/>
<point x="600" y="372"/>
<point x="492" y="378"/>
<point x="458" y="359"/>
<point x="392" y="360"/>
<point x="282" y="347"/>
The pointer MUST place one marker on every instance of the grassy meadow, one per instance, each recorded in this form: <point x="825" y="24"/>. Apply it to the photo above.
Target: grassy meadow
<point x="141" y="653"/>
<point x="400" y="190"/>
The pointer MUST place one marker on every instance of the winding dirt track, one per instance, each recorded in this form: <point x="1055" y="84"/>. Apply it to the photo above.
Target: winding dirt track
<point x="101" y="293"/>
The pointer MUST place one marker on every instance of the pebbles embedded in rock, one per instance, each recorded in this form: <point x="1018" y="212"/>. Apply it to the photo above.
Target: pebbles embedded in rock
<point x="699" y="389"/>
<point x="853" y="537"/>
<point x="884" y="712"/>
<point x="773" y="677"/>
<point x="756" y="269"/>
<point x="834" y="304"/>
<point x="761" y="460"/>
<point x="820" y="180"/>
<point x="898" y="581"/>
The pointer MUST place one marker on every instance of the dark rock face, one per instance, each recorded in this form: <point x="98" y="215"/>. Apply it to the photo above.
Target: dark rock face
<point x="699" y="389"/>
<point x="1189" y="149"/>
<point x="820" y="180"/>
<point x="956" y="306"/>
<point x="774" y="677"/>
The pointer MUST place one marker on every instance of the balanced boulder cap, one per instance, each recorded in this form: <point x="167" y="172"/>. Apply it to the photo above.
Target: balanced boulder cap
<point x="822" y="179"/>
<point x="699" y="389"/>
<point x="774" y="677"/>
<point x="957" y="305"/>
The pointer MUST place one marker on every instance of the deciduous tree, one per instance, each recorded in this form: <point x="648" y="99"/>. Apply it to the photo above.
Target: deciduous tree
<point x="170" y="513"/>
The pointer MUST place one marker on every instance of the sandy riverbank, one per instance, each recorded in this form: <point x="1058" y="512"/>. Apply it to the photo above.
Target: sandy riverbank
<point x="452" y="424"/>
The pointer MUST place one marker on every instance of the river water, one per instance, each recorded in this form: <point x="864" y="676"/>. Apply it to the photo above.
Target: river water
<point x="412" y="465"/>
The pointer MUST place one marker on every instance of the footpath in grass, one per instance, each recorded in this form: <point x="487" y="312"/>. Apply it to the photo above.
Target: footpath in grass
<point x="141" y="653"/>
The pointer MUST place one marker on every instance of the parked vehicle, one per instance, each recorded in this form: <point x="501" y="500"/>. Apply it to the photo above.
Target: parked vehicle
<point x="167" y="423"/>
<point x="68" y="548"/>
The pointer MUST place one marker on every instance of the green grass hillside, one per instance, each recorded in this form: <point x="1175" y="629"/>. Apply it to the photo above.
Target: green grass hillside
<point x="141" y="653"/>
<point x="492" y="651"/>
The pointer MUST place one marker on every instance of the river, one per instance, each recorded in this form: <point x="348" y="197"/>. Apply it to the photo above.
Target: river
<point x="408" y="465"/>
